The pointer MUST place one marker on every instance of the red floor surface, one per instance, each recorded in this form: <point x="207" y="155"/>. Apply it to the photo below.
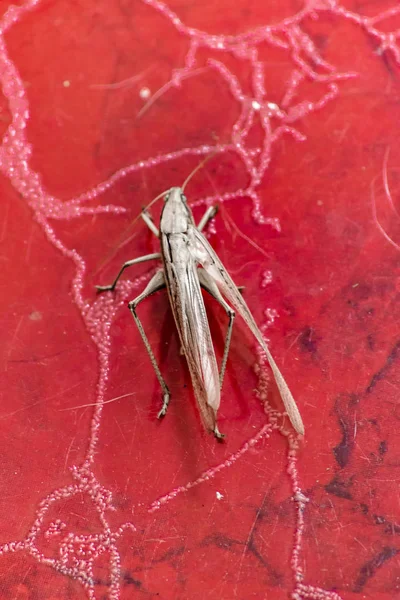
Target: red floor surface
<point x="300" y="103"/>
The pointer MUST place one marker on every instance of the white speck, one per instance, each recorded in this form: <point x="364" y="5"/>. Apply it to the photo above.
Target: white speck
<point x="35" y="315"/>
<point x="256" y="105"/>
<point x="144" y="93"/>
<point x="320" y="203"/>
<point x="220" y="45"/>
<point x="219" y="496"/>
<point x="273" y="107"/>
<point x="66" y="83"/>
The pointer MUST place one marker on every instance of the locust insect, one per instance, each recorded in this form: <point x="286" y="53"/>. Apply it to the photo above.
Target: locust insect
<point x="189" y="265"/>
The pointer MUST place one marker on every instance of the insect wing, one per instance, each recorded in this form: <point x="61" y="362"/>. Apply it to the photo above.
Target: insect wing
<point x="206" y="256"/>
<point x="191" y="320"/>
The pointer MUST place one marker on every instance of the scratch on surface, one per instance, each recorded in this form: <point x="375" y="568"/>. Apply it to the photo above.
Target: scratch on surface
<point x="247" y="543"/>
<point x="374" y="209"/>
<point x="29" y="245"/>
<point x="362" y="453"/>
<point x="386" y="182"/>
<point x="68" y="453"/>
<point x="5" y="221"/>
<point x="46" y="399"/>
<point x="361" y="544"/>
<point x="14" y="337"/>
<point x="124" y="83"/>
<point x="122" y="433"/>
<point x="21" y="409"/>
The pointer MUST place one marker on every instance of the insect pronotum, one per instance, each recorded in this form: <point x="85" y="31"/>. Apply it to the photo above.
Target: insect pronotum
<point x="189" y="264"/>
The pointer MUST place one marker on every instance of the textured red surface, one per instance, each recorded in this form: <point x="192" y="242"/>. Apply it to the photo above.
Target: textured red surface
<point x="334" y="289"/>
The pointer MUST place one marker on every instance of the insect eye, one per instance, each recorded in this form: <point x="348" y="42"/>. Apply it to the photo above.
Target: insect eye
<point x="166" y="197"/>
<point x="183" y="198"/>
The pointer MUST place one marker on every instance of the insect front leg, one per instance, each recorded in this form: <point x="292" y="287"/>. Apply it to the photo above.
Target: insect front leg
<point x="208" y="215"/>
<point x="148" y="219"/>
<point x="155" y="284"/>
<point x="129" y="263"/>
<point x="210" y="286"/>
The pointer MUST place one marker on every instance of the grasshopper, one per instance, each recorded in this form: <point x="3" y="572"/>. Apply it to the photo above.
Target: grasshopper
<point x="189" y="264"/>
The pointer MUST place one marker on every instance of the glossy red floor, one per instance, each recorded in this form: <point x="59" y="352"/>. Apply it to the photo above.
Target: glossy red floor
<point x="300" y="107"/>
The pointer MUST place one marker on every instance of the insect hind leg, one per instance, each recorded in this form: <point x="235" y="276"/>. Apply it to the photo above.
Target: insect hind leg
<point x="155" y="284"/>
<point x="210" y="286"/>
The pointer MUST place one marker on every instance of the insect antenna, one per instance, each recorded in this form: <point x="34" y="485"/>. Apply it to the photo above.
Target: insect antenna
<point x="199" y="166"/>
<point x="155" y="199"/>
<point x="122" y="239"/>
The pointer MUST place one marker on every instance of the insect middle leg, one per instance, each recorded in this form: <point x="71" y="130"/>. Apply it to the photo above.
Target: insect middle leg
<point x="155" y="284"/>
<point x="208" y="215"/>
<point x="210" y="286"/>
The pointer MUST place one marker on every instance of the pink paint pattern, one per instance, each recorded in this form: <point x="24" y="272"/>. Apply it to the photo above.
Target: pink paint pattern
<point x="78" y="553"/>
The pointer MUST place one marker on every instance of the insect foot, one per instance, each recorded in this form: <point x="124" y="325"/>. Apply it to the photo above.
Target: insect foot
<point x="164" y="408"/>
